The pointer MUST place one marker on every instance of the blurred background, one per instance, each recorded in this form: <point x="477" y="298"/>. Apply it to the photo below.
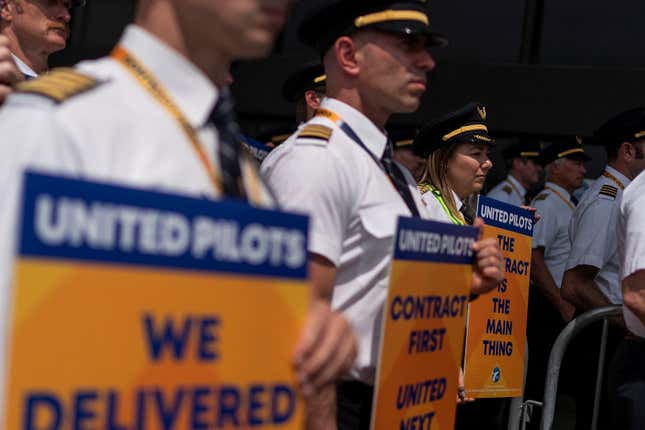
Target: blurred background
<point x="545" y="68"/>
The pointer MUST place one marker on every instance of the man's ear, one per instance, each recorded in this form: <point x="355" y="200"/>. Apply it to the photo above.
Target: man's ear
<point x="627" y="152"/>
<point x="312" y="99"/>
<point x="345" y="52"/>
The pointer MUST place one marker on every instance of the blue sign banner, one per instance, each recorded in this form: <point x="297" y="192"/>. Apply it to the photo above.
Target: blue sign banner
<point x="422" y="240"/>
<point x="505" y="216"/>
<point x="78" y="220"/>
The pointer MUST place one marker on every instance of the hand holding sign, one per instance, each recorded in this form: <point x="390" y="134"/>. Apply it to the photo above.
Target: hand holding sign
<point x="326" y="350"/>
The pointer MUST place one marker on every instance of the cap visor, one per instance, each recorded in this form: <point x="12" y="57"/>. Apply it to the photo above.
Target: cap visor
<point x="412" y="28"/>
<point x="579" y="156"/>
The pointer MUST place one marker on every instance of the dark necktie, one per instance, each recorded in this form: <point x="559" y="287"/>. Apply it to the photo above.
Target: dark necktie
<point x="467" y="217"/>
<point x="574" y="200"/>
<point x="223" y="118"/>
<point x="396" y="176"/>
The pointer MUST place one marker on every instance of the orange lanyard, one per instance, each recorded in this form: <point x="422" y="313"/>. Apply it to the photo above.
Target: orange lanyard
<point x="154" y="88"/>
<point x="606" y="174"/>
<point x="571" y="206"/>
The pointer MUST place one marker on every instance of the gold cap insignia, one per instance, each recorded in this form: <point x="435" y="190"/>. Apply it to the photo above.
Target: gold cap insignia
<point x="481" y="110"/>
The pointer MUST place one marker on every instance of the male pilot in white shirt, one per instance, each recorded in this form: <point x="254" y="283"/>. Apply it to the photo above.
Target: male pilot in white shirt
<point x="524" y="173"/>
<point x="156" y="114"/>
<point x="591" y="277"/>
<point x="338" y="168"/>
<point x="548" y="311"/>
<point x="627" y="375"/>
<point x="35" y="29"/>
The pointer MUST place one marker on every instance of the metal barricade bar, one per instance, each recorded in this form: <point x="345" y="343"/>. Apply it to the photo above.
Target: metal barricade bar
<point x="555" y="361"/>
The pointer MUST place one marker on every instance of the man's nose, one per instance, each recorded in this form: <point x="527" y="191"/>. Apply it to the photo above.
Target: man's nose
<point x="62" y="12"/>
<point x="426" y="62"/>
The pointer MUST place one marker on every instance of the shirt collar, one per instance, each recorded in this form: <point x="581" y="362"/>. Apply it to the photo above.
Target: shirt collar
<point x="373" y="138"/>
<point x="519" y="186"/>
<point x="457" y="200"/>
<point x="622" y="178"/>
<point x="189" y="88"/>
<point x="559" y="189"/>
<point x="24" y="68"/>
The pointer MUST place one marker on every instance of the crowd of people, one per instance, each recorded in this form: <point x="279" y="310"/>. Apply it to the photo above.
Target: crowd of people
<point x="157" y="113"/>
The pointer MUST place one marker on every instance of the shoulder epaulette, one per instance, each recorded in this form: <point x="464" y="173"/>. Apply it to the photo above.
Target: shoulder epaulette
<point x="507" y="189"/>
<point x="542" y="196"/>
<point x="315" y="131"/>
<point x="608" y="190"/>
<point x="58" y="85"/>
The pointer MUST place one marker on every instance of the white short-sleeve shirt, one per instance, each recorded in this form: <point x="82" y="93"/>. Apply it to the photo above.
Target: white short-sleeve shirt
<point x="353" y="208"/>
<point x="508" y="191"/>
<point x="592" y="232"/>
<point x="552" y="232"/>
<point x="631" y="241"/>
<point x="115" y="132"/>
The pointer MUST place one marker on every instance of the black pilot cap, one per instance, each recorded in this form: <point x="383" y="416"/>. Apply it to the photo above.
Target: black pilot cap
<point x="570" y="148"/>
<point x="310" y="76"/>
<point x="333" y="19"/>
<point x="466" y="125"/>
<point x="628" y="126"/>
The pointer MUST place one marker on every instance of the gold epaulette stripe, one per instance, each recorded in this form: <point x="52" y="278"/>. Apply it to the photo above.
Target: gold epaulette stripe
<point x="58" y="85"/>
<point x="315" y="131"/>
<point x="313" y="135"/>
<point x="542" y="197"/>
<point x="608" y="190"/>
<point x="317" y="127"/>
<point x="507" y="189"/>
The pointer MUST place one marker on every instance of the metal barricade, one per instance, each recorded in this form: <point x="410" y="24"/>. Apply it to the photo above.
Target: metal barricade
<point x="555" y="361"/>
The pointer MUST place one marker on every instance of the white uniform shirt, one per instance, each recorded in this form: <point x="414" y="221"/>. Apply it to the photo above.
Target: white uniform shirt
<point x="114" y="133"/>
<point x="24" y="69"/>
<point x="508" y="191"/>
<point x="592" y="233"/>
<point x="435" y="210"/>
<point x="631" y="241"/>
<point x="353" y="208"/>
<point x="552" y="232"/>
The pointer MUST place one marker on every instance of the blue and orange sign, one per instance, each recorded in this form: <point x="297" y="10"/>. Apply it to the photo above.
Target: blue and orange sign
<point x="139" y="310"/>
<point x="494" y="359"/>
<point x="423" y="326"/>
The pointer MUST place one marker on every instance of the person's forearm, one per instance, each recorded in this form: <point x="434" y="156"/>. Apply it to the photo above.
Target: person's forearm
<point x="579" y="289"/>
<point x="542" y="278"/>
<point x="634" y="294"/>
<point x="321" y="409"/>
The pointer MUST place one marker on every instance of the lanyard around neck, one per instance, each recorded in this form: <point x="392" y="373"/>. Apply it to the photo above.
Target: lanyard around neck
<point x="347" y="129"/>
<point x="617" y="181"/>
<point x="147" y="80"/>
<point x="437" y="194"/>
<point x="567" y="202"/>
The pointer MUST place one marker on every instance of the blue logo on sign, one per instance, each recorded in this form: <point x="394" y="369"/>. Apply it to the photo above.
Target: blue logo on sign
<point x="496" y="375"/>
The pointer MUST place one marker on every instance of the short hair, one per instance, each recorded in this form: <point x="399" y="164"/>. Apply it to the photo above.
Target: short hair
<point x="551" y="165"/>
